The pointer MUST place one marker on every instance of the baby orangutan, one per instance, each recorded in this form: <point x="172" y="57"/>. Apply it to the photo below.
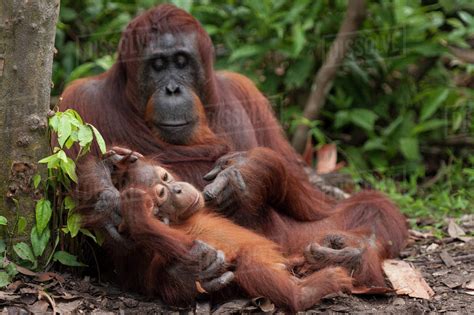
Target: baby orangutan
<point x="157" y="208"/>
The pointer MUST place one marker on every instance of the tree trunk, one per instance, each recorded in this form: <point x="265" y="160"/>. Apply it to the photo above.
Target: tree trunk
<point x="322" y="82"/>
<point x="27" y="31"/>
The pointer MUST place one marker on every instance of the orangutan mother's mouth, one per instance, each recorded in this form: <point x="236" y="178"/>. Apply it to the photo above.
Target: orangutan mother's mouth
<point x="173" y="124"/>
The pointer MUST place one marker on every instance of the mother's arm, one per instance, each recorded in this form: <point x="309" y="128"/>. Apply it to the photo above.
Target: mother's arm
<point x="245" y="184"/>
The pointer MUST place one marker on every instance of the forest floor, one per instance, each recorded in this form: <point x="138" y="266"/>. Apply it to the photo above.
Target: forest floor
<point x="451" y="281"/>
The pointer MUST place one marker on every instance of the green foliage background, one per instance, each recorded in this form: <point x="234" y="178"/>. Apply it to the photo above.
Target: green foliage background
<point x="385" y="114"/>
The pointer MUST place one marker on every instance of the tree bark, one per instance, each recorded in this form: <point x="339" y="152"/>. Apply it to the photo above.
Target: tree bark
<point x="27" y="32"/>
<point x="322" y="82"/>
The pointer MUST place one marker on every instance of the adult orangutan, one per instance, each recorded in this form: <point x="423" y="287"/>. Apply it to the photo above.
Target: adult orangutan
<point x="357" y="239"/>
<point x="163" y="98"/>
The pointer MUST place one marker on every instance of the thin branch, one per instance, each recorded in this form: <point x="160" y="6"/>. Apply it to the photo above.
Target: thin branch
<point x="322" y="81"/>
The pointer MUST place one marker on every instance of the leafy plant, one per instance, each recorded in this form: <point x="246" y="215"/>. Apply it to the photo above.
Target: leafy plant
<point x="71" y="131"/>
<point x="448" y="194"/>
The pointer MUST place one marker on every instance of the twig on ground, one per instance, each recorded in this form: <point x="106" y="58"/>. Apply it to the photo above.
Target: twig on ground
<point x="463" y="258"/>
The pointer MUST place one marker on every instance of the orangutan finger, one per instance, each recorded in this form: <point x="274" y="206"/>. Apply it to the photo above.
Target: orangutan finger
<point x="213" y="173"/>
<point x="218" y="283"/>
<point x="212" y="190"/>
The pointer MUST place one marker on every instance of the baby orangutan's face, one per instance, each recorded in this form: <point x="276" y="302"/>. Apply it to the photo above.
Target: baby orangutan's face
<point x="174" y="201"/>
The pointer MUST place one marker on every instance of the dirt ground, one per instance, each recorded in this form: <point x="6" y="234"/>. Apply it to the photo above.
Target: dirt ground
<point x="451" y="281"/>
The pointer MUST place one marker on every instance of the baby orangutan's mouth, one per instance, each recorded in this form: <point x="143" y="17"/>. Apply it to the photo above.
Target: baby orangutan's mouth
<point x="196" y="204"/>
<point x="193" y="207"/>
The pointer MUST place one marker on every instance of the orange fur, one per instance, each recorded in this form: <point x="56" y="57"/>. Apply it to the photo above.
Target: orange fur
<point x="280" y="203"/>
<point x="260" y="268"/>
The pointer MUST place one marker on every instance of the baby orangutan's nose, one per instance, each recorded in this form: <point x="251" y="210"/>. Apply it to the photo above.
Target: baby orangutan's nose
<point x="161" y="194"/>
<point x="176" y="188"/>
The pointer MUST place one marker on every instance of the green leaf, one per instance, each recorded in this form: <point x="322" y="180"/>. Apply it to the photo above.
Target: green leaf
<point x="374" y="144"/>
<point x="363" y="118"/>
<point x="76" y="119"/>
<point x="48" y="159"/>
<point x="100" y="236"/>
<point x="54" y="122"/>
<point x="21" y="224"/>
<point x="62" y="155"/>
<point x="186" y="5"/>
<point x="67" y="14"/>
<point x="89" y="234"/>
<point x="3" y="220"/>
<point x="4" y="279"/>
<point x="81" y="71"/>
<point x="69" y="203"/>
<point x="429" y="125"/>
<point x="36" y="180"/>
<point x="245" y="52"/>
<point x="69" y="167"/>
<point x="342" y="118"/>
<point x="64" y="129"/>
<point x="466" y="17"/>
<point x="299" y="39"/>
<point x="39" y="241"/>
<point x="99" y="139"/>
<point x="52" y="161"/>
<point x="410" y="148"/>
<point x="105" y="62"/>
<point x="11" y="269"/>
<point x="24" y="251"/>
<point x="67" y="259"/>
<point x="433" y="102"/>
<point x="85" y="135"/>
<point x="393" y="125"/>
<point x="73" y="223"/>
<point x="70" y="141"/>
<point x="43" y="214"/>
<point x="298" y="73"/>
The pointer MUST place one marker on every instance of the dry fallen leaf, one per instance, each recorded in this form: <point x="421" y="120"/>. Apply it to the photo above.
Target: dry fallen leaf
<point x="5" y="296"/>
<point x="232" y="306"/>
<point x="454" y="230"/>
<point x="470" y="284"/>
<point x="417" y="235"/>
<point x="69" y="307"/>
<point x="433" y="247"/>
<point x="466" y="239"/>
<point x="447" y="259"/>
<point x="42" y="295"/>
<point x="327" y="159"/>
<point x="453" y="281"/>
<point x="308" y="153"/>
<point x="47" y="276"/>
<point x="405" y="279"/>
<point x="25" y="271"/>
<point x="39" y="307"/>
<point x="371" y="290"/>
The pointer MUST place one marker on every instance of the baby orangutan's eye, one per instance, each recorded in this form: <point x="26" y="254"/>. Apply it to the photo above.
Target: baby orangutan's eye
<point x="165" y="177"/>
